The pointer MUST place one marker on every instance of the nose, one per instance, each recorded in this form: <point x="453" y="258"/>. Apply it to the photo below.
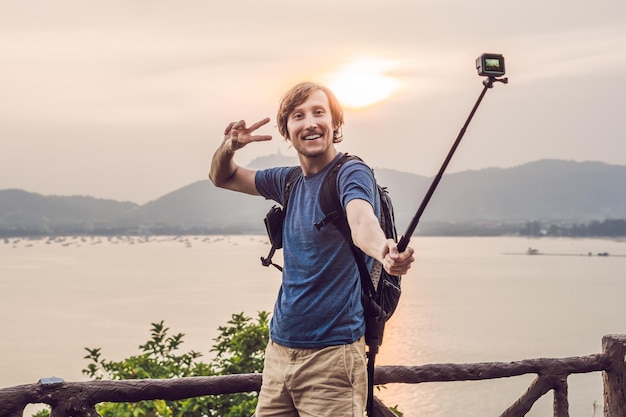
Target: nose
<point x="310" y="122"/>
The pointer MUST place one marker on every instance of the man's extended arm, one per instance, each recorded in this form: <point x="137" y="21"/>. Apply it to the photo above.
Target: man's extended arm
<point x="369" y="237"/>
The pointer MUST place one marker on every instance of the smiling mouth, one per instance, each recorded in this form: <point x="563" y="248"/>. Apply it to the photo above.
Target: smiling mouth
<point x="312" y="137"/>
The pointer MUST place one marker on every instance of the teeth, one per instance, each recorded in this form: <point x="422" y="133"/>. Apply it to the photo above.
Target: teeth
<point x="312" y="137"/>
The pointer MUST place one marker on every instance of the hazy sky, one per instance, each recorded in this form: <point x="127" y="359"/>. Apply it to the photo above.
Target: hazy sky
<point x="128" y="99"/>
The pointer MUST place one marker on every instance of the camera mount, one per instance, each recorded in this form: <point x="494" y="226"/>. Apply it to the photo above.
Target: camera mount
<point x="491" y="66"/>
<point x="488" y="82"/>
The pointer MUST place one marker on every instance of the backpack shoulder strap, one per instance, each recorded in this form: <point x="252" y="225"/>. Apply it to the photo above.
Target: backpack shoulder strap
<point x="279" y="214"/>
<point x="291" y="179"/>
<point x="330" y="202"/>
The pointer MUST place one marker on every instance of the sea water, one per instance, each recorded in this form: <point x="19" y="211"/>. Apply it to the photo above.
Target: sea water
<point x="466" y="300"/>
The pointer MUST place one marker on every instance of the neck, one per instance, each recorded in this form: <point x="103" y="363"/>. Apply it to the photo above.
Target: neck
<point x="313" y="164"/>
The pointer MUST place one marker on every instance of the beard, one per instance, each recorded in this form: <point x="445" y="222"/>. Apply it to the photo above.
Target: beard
<point x="320" y="149"/>
<point x="312" y="153"/>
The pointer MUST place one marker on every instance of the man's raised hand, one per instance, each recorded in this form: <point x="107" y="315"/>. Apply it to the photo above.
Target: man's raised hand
<point x="237" y="135"/>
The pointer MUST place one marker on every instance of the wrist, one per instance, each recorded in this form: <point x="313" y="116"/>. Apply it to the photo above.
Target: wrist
<point x="227" y="146"/>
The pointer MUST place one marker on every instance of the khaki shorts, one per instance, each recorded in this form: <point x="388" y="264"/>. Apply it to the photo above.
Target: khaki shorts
<point x="330" y="381"/>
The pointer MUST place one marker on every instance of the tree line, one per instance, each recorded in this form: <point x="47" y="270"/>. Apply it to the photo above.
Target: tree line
<point x="605" y="228"/>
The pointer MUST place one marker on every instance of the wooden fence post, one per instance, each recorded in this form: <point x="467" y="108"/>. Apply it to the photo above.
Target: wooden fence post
<point x="614" y="377"/>
<point x="561" y="401"/>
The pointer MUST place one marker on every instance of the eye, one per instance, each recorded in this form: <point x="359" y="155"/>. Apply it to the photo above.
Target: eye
<point x="297" y="115"/>
<point x="319" y="112"/>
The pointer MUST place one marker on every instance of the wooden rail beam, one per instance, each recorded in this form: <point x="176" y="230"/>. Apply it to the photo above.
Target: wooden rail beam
<point x="490" y="370"/>
<point x="78" y="398"/>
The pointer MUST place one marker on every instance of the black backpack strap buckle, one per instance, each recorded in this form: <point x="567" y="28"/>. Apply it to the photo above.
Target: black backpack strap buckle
<point x="328" y="219"/>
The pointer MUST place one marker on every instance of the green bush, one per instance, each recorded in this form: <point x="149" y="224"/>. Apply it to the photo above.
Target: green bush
<point x="239" y="348"/>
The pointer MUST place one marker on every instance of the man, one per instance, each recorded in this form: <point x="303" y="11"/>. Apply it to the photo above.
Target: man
<point x="315" y="360"/>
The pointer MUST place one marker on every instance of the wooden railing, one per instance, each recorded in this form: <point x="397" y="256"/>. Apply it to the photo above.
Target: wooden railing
<point x="78" y="399"/>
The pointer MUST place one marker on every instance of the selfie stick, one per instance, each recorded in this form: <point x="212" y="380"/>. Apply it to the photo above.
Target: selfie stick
<point x="404" y="240"/>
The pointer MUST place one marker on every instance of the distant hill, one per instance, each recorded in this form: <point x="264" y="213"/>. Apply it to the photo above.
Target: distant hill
<point x="25" y="211"/>
<point x="545" y="190"/>
<point x="553" y="191"/>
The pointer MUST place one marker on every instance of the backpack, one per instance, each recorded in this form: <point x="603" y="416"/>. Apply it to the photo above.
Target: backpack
<point x="380" y="291"/>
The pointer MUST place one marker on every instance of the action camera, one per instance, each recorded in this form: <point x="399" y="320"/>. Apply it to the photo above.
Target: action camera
<point x="490" y="65"/>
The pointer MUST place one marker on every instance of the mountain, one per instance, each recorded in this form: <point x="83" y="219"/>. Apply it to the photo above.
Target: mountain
<point x="553" y="191"/>
<point x="21" y="210"/>
<point x="546" y="190"/>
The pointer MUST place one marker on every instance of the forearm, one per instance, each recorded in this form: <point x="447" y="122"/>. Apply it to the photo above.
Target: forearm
<point x="223" y="166"/>
<point x="371" y="240"/>
<point x="367" y="234"/>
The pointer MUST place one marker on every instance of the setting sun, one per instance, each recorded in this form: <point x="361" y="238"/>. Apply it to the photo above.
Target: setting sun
<point x="363" y="82"/>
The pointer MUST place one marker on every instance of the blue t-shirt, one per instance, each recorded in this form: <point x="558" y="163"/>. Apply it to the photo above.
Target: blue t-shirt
<point x="319" y="301"/>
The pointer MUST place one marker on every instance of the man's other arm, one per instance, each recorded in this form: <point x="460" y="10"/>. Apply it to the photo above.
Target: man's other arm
<point x="370" y="238"/>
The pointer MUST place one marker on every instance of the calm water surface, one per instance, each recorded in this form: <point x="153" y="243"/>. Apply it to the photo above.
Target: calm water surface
<point x="466" y="300"/>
